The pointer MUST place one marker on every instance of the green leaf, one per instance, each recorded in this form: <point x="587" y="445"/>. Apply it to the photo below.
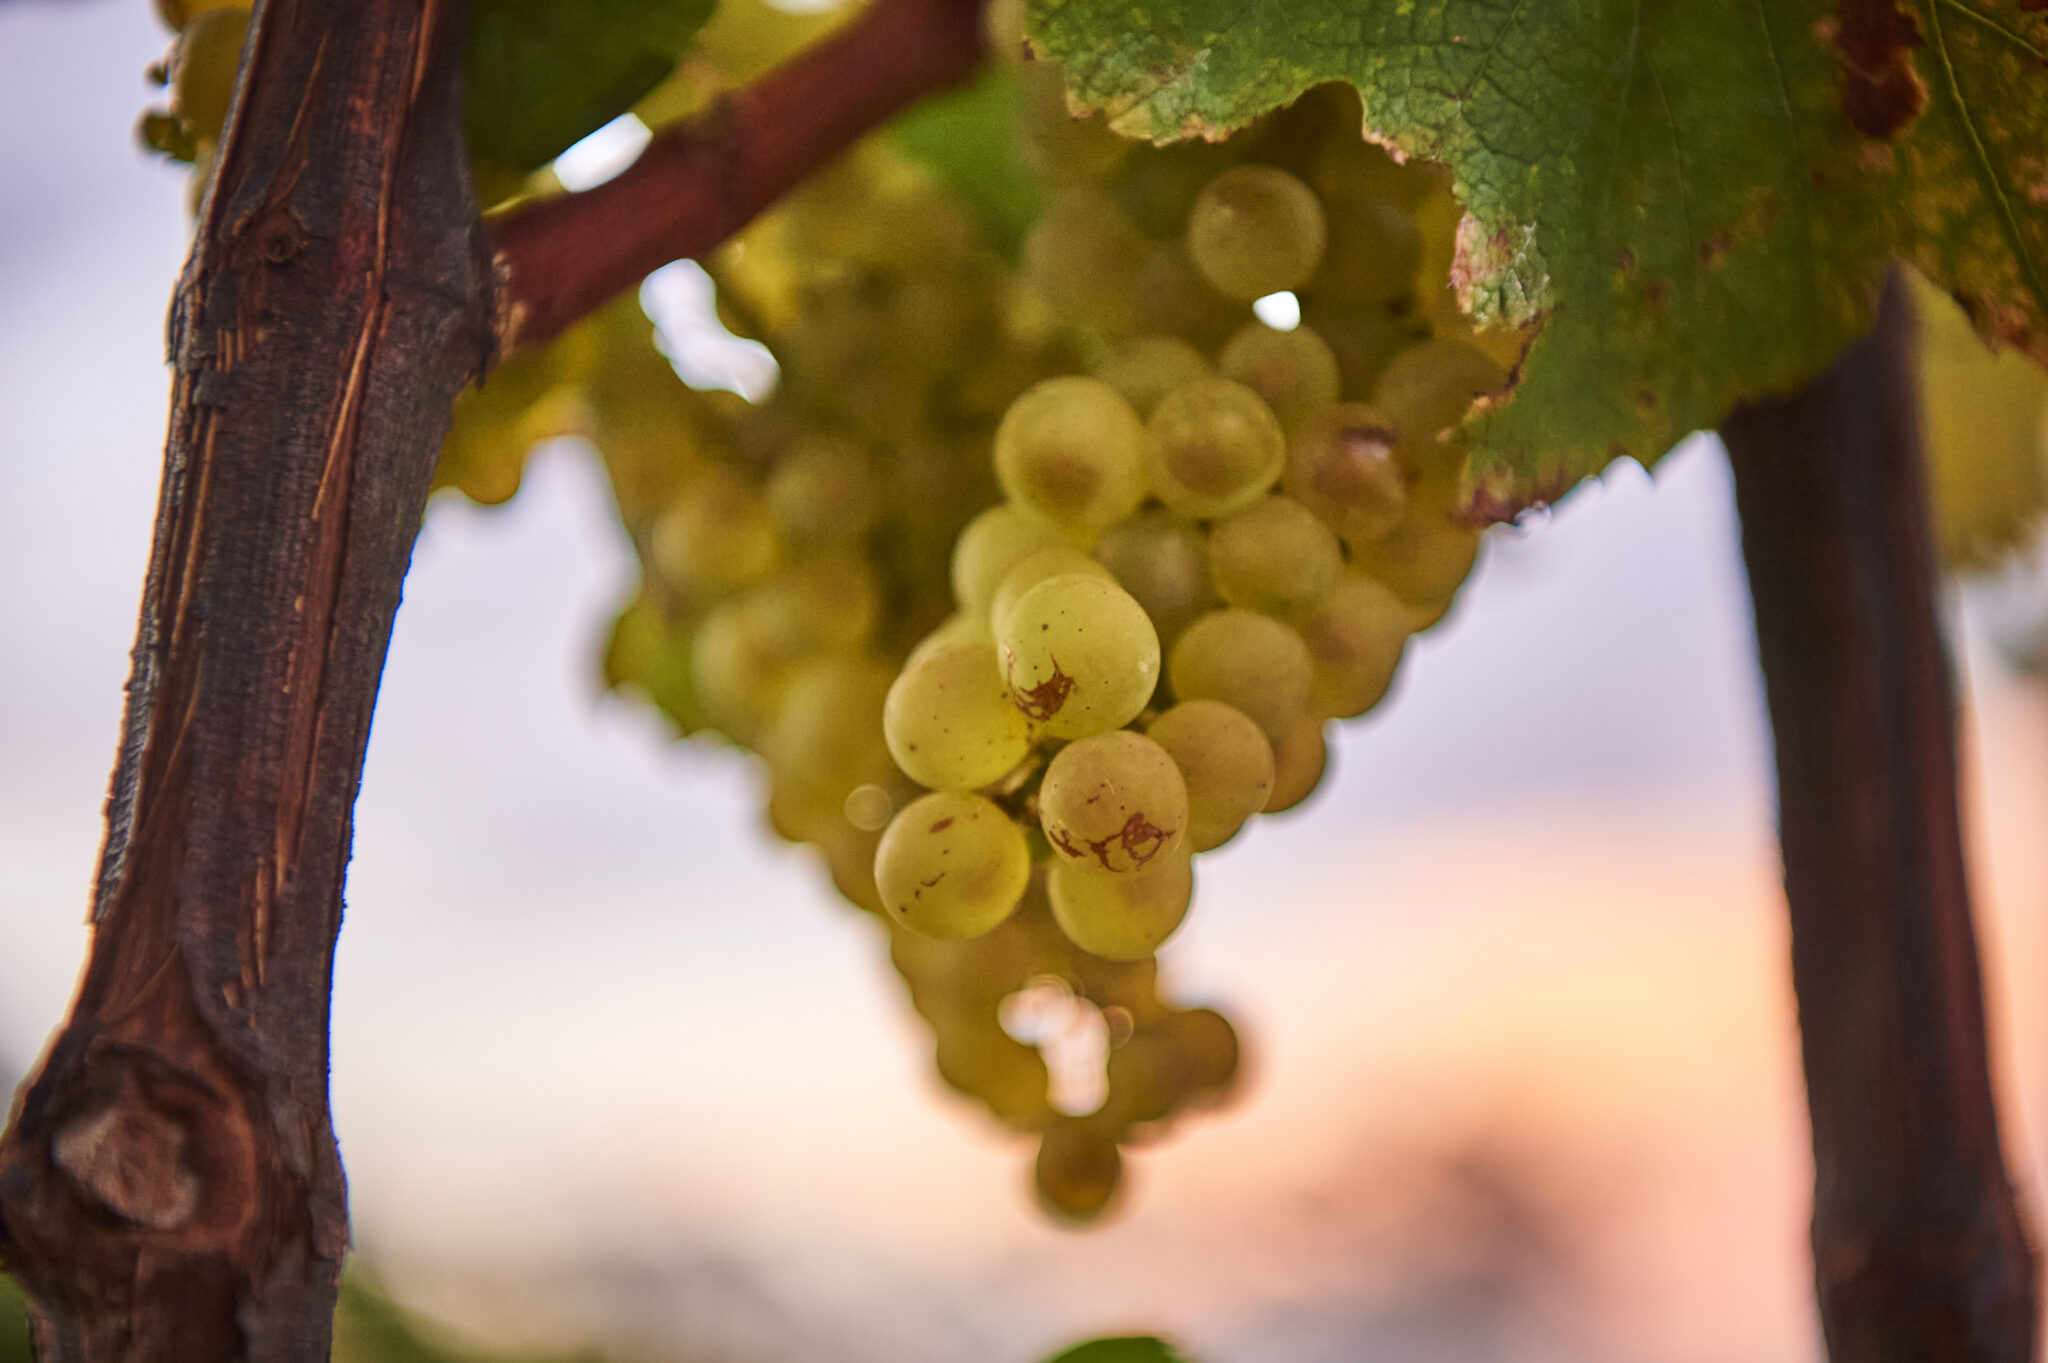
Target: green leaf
<point x="541" y="74"/>
<point x="14" y="1343"/>
<point x="969" y="139"/>
<point x="1669" y="196"/>
<point x="1126" y="1349"/>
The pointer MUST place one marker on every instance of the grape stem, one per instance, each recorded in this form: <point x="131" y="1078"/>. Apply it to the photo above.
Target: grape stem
<point x="706" y="177"/>
<point x="1920" y="1249"/>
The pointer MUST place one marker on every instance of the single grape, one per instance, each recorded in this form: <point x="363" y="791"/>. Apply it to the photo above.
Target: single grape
<point x="1034" y="568"/>
<point x="1121" y="918"/>
<point x="1428" y="388"/>
<point x="1374" y="254"/>
<point x="1215" y="446"/>
<point x="822" y="492"/>
<point x="1226" y="762"/>
<point x="1300" y="756"/>
<point x="1172" y="299"/>
<point x="716" y="536"/>
<point x="1150" y="367"/>
<point x="990" y="546"/>
<point x="831" y="602"/>
<point x="1355" y="638"/>
<point x="1114" y="804"/>
<point x="1256" y="230"/>
<point x="1082" y="254"/>
<point x="1205" y="1047"/>
<point x="203" y="66"/>
<point x="1341" y="466"/>
<point x="952" y="865"/>
<point x="1163" y="562"/>
<point x="1072" y="451"/>
<point x="1294" y="371"/>
<point x="737" y="676"/>
<point x="1274" y="557"/>
<point x="1246" y="660"/>
<point x="1079" y="655"/>
<point x="984" y="1062"/>
<point x="824" y="740"/>
<point x="949" y="721"/>
<point x="1077" y="1170"/>
<point x="1428" y="553"/>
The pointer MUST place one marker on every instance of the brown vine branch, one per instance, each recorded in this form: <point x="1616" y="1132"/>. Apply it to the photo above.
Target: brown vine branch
<point x="1920" y="1250"/>
<point x="699" y="182"/>
<point x="170" y="1190"/>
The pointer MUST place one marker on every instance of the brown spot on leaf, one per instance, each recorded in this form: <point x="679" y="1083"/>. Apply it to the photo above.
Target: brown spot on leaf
<point x="1657" y="293"/>
<point x="1714" y="249"/>
<point x="1881" y="91"/>
<point x="1627" y="261"/>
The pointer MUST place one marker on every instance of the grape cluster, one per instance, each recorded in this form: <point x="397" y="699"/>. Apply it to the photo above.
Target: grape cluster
<point x="1213" y="543"/>
<point x="1028" y="583"/>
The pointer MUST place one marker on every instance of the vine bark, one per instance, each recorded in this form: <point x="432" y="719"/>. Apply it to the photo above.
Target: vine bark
<point x="1921" y="1252"/>
<point x="170" y="1187"/>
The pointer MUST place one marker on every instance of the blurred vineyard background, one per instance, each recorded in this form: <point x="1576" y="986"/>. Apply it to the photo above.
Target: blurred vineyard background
<point x="616" y="1073"/>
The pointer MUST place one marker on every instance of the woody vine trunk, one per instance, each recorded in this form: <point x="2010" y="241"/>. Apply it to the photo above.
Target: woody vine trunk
<point x="1921" y="1254"/>
<point x="170" y="1187"/>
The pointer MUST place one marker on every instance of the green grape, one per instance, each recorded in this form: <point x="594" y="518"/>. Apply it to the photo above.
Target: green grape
<point x="1364" y="338"/>
<point x="1072" y="451"/>
<point x="982" y="1061"/>
<point x="1163" y="562"/>
<point x="651" y="652"/>
<point x="1294" y="371"/>
<point x="949" y="721"/>
<point x="1375" y="251"/>
<point x="1300" y="755"/>
<point x="1226" y="762"/>
<point x="1034" y="568"/>
<point x="1256" y="230"/>
<point x="1205" y="1048"/>
<point x="1274" y="557"/>
<point x="869" y="808"/>
<point x="826" y="736"/>
<point x="716" y="536"/>
<point x="1172" y="299"/>
<point x="1355" y="637"/>
<point x="951" y="865"/>
<point x="1341" y="466"/>
<point x="1428" y="553"/>
<point x="1348" y="165"/>
<point x="1150" y="367"/>
<point x="1122" y="918"/>
<point x="822" y="493"/>
<point x="1246" y="660"/>
<point x="1082" y="255"/>
<point x="989" y="547"/>
<point x="1215" y="448"/>
<point x="1114" y="804"/>
<point x="738" y="678"/>
<point x="827" y="603"/>
<point x="203" y="67"/>
<point x="1143" y="1077"/>
<point x="1079" y="655"/>
<point x="1077" y="1170"/>
<point x="1428" y="388"/>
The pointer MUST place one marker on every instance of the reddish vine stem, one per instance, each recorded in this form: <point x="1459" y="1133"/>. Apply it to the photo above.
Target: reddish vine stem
<point x="699" y="182"/>
<point x="1920" y="1250"/>
<point x="170" y="1190"/>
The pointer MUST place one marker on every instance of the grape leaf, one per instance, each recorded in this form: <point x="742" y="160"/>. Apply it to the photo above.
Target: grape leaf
<point x="539" y="75"/>
<point x="1126" y="1349"/>
<point x="1685" y="205"/>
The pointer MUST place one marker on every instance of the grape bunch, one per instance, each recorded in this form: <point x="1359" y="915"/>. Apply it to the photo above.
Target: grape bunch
<point x="1212" y="544"/>
<point x="1030" y="581"/>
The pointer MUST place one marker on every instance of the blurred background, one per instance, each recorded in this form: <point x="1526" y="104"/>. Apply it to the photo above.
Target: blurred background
<point x="615" y="1070"/>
